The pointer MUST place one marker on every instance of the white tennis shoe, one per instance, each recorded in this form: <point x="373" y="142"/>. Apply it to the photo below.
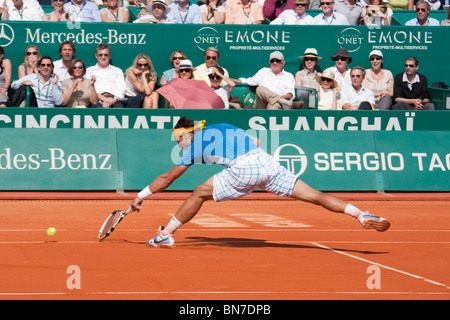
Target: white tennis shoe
<point x="161" y="241"/>
<point x="370" y="221"/>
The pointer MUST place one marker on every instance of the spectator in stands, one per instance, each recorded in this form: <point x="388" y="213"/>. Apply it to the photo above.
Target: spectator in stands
<point x="243" y="12"/>
<point x="446" y="22"/>
<point x="327" y="91"/>
<point x="411" y="89"/>
<point x="380" y="81"/>
<point x="351" y="9"/>
<point x="83" y="10"/>
<point x="185" y="70"/>
<point x="434" y="4"/>
<point x="273" y="8"/>
<point x="156" y="13"/>
<point x="341" y="69"/>
<point x="45" y="85"/>
<point x="175" y="58"/>
<point x="328" y="16"/>
<point x="314" y="4"/>
<point x="112" y="12"/>
<point x="217" y="77"/>
<point x="422" y="19"/>
<point x="203" y="71"/>
<point x="109" y="80"/>
<point x="400" y="4"/>
<point x="78" y="91"/>
<point x="275" y="86"/>
<point x="58" y="13"/>
<point x="140" y="83"/>
<point x="213" y="12"/>
<point x="298" y="16"/>
<point x="307" y="75"/>
<point x="20" y="11"/>
<point x="185" y="12"/>
<point x="375" y="12"/>
<point x="66" y="51"/>
<point x="30" y="65"/>
<point x="5" y="78"/>
<point x="357" y="97"/>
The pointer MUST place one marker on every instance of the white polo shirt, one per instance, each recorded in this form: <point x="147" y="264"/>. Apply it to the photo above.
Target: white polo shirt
<point x="281" y="84"/>
<point x="110" y="80"/>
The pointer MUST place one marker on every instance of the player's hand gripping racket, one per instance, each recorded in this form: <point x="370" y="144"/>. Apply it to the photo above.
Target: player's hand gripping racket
<point x="111" y="223"/>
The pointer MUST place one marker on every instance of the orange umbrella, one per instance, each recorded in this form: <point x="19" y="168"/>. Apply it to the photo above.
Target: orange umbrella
<point x="190" y="94"/>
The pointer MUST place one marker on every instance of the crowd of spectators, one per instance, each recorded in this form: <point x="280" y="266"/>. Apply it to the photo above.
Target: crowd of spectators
<point x="68" y="82"/>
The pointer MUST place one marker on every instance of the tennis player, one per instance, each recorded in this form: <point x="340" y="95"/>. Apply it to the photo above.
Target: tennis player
<point x="247" y="167"/>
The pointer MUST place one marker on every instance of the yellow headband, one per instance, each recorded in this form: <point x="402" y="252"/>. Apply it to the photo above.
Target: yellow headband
<point x="179" y="131"/>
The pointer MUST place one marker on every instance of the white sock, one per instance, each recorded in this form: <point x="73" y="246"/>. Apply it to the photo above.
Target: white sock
<point x="171" y="227"/>
<point x="352" y="210"/>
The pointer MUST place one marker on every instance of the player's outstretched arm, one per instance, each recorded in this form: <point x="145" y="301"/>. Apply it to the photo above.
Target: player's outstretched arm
<point x="161" y="183"/>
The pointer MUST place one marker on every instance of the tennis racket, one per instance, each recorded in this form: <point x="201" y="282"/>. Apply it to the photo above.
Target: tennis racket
<point x="111" y="223"/>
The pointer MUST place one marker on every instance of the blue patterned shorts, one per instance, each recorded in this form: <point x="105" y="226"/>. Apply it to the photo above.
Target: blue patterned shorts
<point x="251" y="171"/>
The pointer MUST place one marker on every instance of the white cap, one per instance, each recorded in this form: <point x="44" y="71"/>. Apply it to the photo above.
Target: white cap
<point x="376" y="53"/>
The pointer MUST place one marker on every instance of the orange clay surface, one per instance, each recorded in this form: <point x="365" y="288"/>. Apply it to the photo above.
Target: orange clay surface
<point x="257" y="249"/>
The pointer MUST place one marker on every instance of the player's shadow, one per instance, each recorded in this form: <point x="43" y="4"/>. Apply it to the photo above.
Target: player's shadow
<point x="259" y="243"/>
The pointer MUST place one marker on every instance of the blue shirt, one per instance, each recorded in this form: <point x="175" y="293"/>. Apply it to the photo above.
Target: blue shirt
<point x="86" y="12"/>
<point x="191" y="15"/>
<point x="47" y="94"/>
<point x="217" y="144"/>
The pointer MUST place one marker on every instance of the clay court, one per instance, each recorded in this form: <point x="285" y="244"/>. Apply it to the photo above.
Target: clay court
<point x="257" y="248"/>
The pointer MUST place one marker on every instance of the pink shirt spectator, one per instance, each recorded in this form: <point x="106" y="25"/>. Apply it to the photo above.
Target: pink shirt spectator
<point x="243" y="12"/>
<point x="273" y="8"/>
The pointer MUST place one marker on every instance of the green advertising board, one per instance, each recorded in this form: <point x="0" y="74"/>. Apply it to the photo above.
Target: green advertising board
<point x="126" y="159"/>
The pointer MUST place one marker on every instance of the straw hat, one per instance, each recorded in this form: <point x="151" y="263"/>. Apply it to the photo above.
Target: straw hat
<point x="149" y="7"/>
<point x="311" y="53"/>
<point x="329" y="74"/>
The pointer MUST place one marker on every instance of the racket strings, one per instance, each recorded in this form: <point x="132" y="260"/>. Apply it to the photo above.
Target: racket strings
<point x="110" y="223"/>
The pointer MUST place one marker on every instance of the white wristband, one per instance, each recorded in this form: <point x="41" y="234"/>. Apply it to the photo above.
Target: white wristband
<point x="144" y="193"/>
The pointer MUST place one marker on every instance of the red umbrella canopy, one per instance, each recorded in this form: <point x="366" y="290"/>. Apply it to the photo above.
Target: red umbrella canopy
<point x="190" y="94"/>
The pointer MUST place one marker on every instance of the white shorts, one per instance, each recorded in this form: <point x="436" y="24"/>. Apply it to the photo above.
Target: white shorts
<point x="251" y="171"/>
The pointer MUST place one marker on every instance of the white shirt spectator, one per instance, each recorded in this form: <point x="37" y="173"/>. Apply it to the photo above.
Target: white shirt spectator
<point x="335" y="19"/>
<point x="61" y="70"/>
<point x="108" y="80"/>
<point x="349" y="95"/>
<point x="344" y="81"/>
<point x="280" y="84"/>
<point x="291" y="17"/>
<point x="31" y="11"/>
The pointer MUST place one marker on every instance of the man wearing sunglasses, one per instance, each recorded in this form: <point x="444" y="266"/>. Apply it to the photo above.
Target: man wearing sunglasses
<point x="202" y="71"/>
<point x="411" y="89"/>
<point x="356" y="97"/>
<point x="328" y="16"/>
<point x="297" y="16"/>
<point x="275" y="86"/>
<point x="45" y="85"/>
<point x="423" y="10"/>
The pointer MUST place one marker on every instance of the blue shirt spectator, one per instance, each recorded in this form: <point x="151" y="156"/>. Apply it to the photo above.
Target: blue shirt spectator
<point x="185" y="12"/>
<point x="83" y="10"/>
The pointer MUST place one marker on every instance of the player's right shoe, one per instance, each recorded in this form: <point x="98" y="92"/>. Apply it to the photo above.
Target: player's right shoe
<point x="161" y="241"/>
<point x="370" y="221"/>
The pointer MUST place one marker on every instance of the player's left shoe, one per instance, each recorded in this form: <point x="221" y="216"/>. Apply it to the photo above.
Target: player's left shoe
<point x="161" y="241"/>
<point x="370" y="221"/>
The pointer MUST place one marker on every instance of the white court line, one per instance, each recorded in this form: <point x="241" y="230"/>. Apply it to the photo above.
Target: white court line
<point x="381" y="265"/>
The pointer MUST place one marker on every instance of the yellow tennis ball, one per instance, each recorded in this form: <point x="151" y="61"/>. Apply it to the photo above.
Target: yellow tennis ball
<point x="51" y="231"/>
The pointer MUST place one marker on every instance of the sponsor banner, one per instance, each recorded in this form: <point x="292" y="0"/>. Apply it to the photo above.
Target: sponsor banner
<point x="67" y="159"/>
<point x="265" y="120"/>
<point x="244" y="49"/>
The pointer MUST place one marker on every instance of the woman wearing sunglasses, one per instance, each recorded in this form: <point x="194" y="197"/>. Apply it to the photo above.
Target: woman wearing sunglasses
<point x="140" y="84"/>
<point x="223" y="91"/>
<point x="327" y="91"/>
<point x="380" y="81"/>
<point x="78" y="92"/>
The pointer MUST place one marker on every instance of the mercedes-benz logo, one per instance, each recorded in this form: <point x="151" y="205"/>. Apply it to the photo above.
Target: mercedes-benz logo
<point x="6" y="35"/>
